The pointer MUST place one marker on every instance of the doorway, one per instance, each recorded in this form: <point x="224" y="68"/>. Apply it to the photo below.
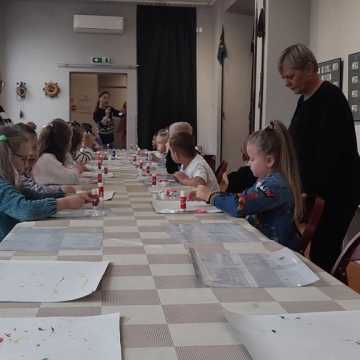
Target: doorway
<point x="84" y="90"/>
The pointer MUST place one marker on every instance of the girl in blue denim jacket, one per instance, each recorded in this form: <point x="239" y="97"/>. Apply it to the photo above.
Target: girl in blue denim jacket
<point x="273" y="204"/>
<point x="15" y="206"/>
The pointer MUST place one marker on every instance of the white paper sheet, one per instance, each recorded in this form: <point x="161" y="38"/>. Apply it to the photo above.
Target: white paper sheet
<point x="111" y="167"/>
<point x="108" y="195"/>
<point x="93" y="175"/>
<point x="60" y="338"/>
<point x="277" y="269"/>
<point x="48" y="281"/>
<point x="173" y="207"/>
<point x="82" y="213"/>
<point x="331" y="335"/>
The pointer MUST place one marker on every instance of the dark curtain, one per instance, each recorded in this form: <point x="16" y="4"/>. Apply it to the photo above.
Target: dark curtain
<point x="166" y="55"/>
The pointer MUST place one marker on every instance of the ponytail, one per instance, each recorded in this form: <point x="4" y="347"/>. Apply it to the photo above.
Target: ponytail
<point x="289" y="166"/>
<point x="275" y="140"/>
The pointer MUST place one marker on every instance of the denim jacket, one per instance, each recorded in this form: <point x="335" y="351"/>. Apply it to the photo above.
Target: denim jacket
<point x="268" y="205"/>
<point x="16" y="207"/>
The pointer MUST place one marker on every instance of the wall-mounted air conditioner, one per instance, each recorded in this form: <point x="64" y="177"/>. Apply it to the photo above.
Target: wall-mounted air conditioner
<point x="99" y="24"/>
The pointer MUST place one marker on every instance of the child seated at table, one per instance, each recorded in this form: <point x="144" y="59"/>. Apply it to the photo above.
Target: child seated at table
<point x="51" y="167"/>
<point x="160" y="142"/>
<point x="27" y="181"/>
<point x="176" y="127"/>
<point x="77" y="133"/>
<point x="274" y="204"/>
<point x="15" y="206"/>
<point x="194" y="169"/>
<point x="87" y="150"/>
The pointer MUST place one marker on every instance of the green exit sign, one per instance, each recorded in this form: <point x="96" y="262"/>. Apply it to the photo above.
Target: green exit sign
<point x="101" y="60"/>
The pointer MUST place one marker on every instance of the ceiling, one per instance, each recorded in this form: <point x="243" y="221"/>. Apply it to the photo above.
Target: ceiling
<point x="155" y="2"/>
<point x="244" y="7"/>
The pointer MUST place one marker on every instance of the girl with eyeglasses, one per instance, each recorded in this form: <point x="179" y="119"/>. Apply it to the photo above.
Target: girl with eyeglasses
<point x="15" y="206"/>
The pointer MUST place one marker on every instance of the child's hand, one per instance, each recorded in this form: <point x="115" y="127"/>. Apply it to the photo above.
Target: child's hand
<point x="69" y="189"/>
<point x="203" y="192"/>
<point x="80" y="167"/>
<point x="70" y="202"/>
<point x="224" y="183"/>
<point x="191" y="196"/>
<point x="181" y="176"/>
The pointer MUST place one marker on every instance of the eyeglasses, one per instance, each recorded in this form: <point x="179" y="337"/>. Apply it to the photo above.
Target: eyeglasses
<point x="23" y="158"/>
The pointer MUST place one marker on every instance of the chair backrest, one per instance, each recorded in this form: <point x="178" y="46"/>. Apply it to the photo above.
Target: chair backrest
<point x="220" y="171"/>
<point x="210" y="159"/>
<point x="339" y="269"/>
<point x="312" y="218"/>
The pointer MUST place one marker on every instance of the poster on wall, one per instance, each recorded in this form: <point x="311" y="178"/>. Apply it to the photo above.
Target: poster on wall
<point x="354" y="84"/>
<point x="331" y="70"/>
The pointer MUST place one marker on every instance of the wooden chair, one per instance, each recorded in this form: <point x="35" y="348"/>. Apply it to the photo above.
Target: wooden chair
<point x="221" y="170"/>
<point x="313" y="210"/>
<point x="341" y="264"/>
<point x="210" y="159"/>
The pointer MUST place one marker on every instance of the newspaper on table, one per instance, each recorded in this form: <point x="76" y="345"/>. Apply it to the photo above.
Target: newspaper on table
<point x="58" y="338"/>
<point x="281" y="268"/>
<point x="36" y="239"/>
<point x="330" y="335"/>
<point x="211" y="233"/>
<point x="173" y="207"/>
<point x="82" y="213"/>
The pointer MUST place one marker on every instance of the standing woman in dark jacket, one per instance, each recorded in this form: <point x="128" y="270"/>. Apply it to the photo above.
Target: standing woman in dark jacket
<point x="104" y="116"/>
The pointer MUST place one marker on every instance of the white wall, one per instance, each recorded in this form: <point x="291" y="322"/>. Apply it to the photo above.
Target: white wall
<point x="39" y="35"/>
<point x="2" y="54"/>
<point x="237" y="85"/>
<point x="219" y="9"/>
<point x="206" y="108"/>
<point x="236" y="80"/>
<point x="335" y="32"/>
<point x="288" y="22"/>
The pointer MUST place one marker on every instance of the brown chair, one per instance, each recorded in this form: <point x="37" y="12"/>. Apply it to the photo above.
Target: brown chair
<point x="314" y="208"/>
<point x="342" y="262"/>
<point x="211" y="160"/>
<point x="221" y="170"/>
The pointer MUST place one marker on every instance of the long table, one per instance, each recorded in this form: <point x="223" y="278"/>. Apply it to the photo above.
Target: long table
<point x="166" y="312"/>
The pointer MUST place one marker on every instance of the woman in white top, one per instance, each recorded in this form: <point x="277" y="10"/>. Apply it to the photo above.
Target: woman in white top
<point x="55" y="140"/>
<point x="194" y="169"/>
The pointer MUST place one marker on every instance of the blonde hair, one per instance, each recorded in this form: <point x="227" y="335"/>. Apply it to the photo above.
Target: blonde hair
<point x="180" y="126"/>
<point x="275" y="140"/>
<point x="11" y="139"/>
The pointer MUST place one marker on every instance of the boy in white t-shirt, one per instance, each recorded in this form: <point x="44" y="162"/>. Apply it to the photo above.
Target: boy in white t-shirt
<point x="194" y="169"/>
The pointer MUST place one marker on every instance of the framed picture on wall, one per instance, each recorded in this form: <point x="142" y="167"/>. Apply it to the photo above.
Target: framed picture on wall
<point x="331" y="70"/>
<point x="354" y="84"/>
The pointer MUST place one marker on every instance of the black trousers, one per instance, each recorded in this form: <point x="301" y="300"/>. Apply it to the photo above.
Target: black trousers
<point x="327" y="242"/>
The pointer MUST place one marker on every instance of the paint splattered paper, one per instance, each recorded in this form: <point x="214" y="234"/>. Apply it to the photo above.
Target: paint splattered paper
<point x="56" y="338"/>
<point x="173" y="207"/>
<point x="331" y="335"/>
<point x="48" y="281"/>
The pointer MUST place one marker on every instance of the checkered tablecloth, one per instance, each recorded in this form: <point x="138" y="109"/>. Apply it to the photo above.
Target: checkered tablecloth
<point x="166" y="313"/>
